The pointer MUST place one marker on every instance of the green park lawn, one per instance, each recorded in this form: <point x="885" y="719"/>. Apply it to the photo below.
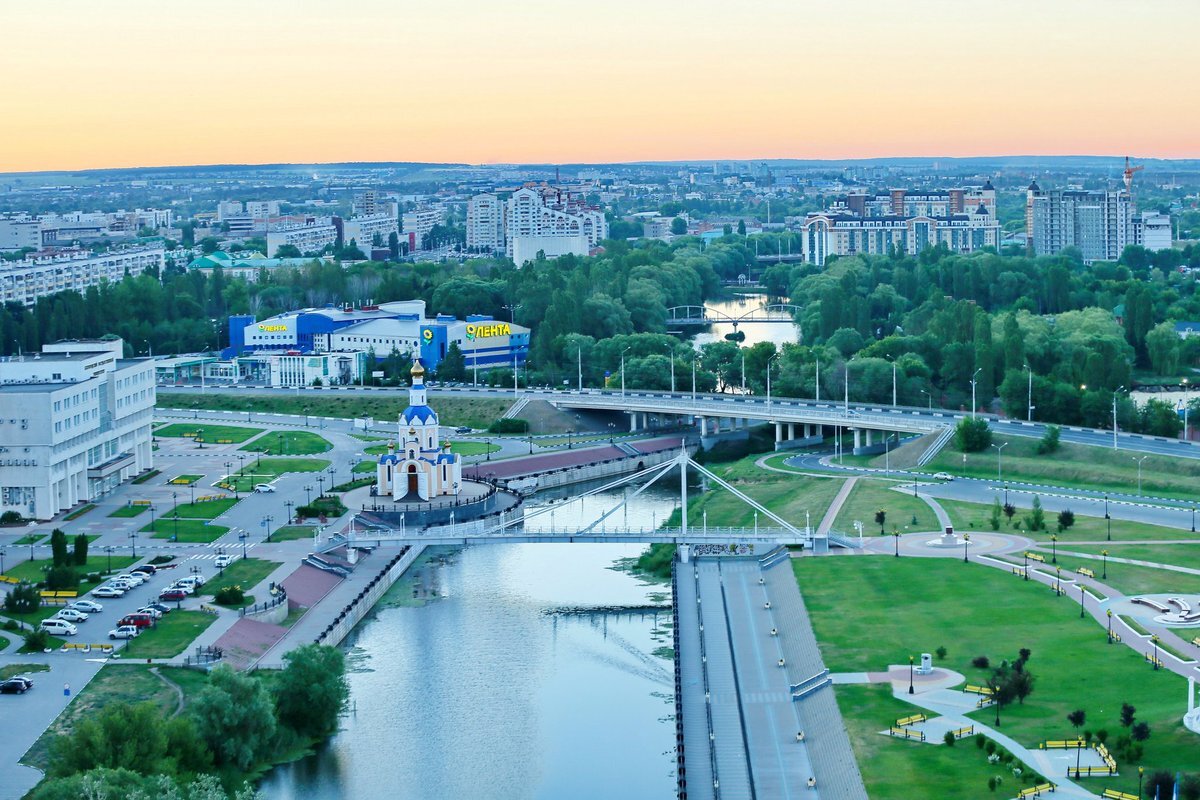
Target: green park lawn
<point x="265" y="470"/>
<point x="129" y="511"/>
<point x="365" y="466"/>
<point x="34" y="571"/>
<point x="976" y="517"/>
<point x="872" y="612"/>
<point x="9" y="670"/>
<point x="476" y="412"/>
<point x="1185" y="555"/>
<point x="31" y="538"/>
<point x="170" y="636"/>
<point x="289" y="443"/>
<point x="244" y="572"/>
<point x="208" y="432"/>
<point x="188" y="530"/>
<point x="79" y="512"/>
<point x="184" y="480"/>
<point x="1130" y="579"/>
<point x="204" y="509"/>
<point x="789" y="496"/>
<point x="291" y="532"/>
<point x="871" y="495"/>
<point x="1078" y="466"/>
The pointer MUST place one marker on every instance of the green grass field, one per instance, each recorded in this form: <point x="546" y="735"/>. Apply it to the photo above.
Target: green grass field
<point x="208" y="432"/>
<point x="288" y="443"/>
<point x="184" y="480"/>
<point x="207" y="509"/>
<point x="34" y="571"/>
<point x="975" y="516"/>
<point x="170" y="636"/>
<point x="903" y="607"/>
<point x="1186" y="555"/>
<point x="365" y="466"/>
<point x="188" y="530"/>
<point x="1132" y="579"/>
<point x="789" y="496"/>
<point x="130" y="510"/>
<point x="245" y="572"/>
<point x="291" y="532"/>
<point x="9" y="670"/>
<point x="870" y="495"/>
<point x="1078" y="466"/>
<point x="476" y="412"/>
<point x="79" y="512"/>
<point x="31" y="538"/>
<point x="265" y="470"/>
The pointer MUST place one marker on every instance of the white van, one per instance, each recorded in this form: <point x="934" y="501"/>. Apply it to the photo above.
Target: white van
<point x="58" y="627"/>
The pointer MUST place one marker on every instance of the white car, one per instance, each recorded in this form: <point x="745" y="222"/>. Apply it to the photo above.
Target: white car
<point x="58" y="627"/>
<point x="186" y="588"/>
<point x="223" y="561"/>
<point x="71" y="615"/>
<point x="87" y="606"/>
<point x="108" y="591"/>
<point x="264" y="488"/>
<point x="154" y="612"/>
<point x="135" y="580"/>
<point x="124" y="632"/>
<point x="943" y="476"/>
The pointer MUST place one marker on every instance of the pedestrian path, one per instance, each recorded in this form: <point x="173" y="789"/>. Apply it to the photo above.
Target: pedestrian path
<point x="942" y="517"/>
<point x="836" y="506"/>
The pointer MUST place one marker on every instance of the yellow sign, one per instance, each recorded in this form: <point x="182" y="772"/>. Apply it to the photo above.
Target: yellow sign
<point x="488" y="331"/>
<point x="427" y="335"/>
<point x="272" y="327"/>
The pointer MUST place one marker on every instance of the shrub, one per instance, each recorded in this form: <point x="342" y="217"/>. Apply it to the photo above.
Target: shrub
<point x="940" y="653"/>
<point x="509" y="425"/>
<point x="12" y="625"/>
<point x="1140" y="731"/>
<point x="972" y="434"/>
<point x="37" y="641"/>
<point x="93" y="577"/>
<point x="992" y="783"/>
<point x="230" y="596"/>
<point x="949" y="738"/>
<point x="11" y="518"/>
<point x="23" y="599"/>
<point x="990" y="747"/>
<point x="1049" y="441"/>
<point x="61" y="578"/>
<point x="981" y="662"/>
<point x="162" y="559"/>
<point x="980" y="740"/>
<point x="1066" y="518"/>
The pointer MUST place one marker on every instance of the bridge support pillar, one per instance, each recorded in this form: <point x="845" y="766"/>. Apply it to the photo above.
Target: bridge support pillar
<point x="704" y="426"/>
<point x="685" y="553"/>
<point x="870" y="434"/>
<point x="857" y="438"/>
<point x="779" y="432"/>
<point x="633" y="421"/>
<point x="791" y="431"/>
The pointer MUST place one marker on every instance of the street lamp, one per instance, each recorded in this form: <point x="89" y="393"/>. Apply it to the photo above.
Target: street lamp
<point x="999" y="454"/>
<point x="267" y="520"/>
<point x="1186" y="438"/>
<point x="1108" y="518"/>
<point x="288" y="505"/>
<point x="1193" y="518"/>
<point x="1029" y="397"/>
<point x="896" y="536"/>
<point x="623" y="352"/>
<point x="910" y="675"/>
<point x="133" y="541"/>
<point x="305" y="416"/>
<point x="1141" y="772"/>
<point x="1058" y="581"/>
<point x="927" y="394"/>
<point x="966" y="544"/>
<point x="1104" y="558"/>
<point x="242" y="535"/>
<point x="321" y="486"/>
<point x="1054" y="548"/>
<point x="108" y="550"/>
<point x="1026" y="571"/>
<point x="175" y="515"/>
<point x="1114" y="404"/>
<point x="1082" y="596"/>
<point x="308" y="495"/>
<point x="1" y="560"/>
<point x="769" y="360"/>
<point x="1108" y="614"/>
<point x="1139" y="463"/>
<point x="1154" y="640"/>
<point x="973" y="382"/>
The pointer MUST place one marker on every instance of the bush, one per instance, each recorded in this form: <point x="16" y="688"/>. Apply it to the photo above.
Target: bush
<point x="980" y="740"/>
<point x="230" y="596"/>
<point x="23" y="599"/>
<point x="940" y="653"/>
<point x="1066" y="518"/>
<point x="1140" y="731"/>
<point x="37" y="641"/>
<point x="509" y="425"/>
<point x="1049" y="441"/>
<point x="62" y="578"/>
<point x="12" y="625"/>
<point x="980" y="661"/>
<point x="949" y="738"/>
<point x="972" y="434"/>
<point x="93" y="577"/>
<point x="162" y="559"/>
<point x="11" y="518"/>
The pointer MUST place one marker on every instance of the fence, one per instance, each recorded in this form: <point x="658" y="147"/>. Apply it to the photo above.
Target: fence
<point x="278" y="596"/>
<point x="204" y="658"/>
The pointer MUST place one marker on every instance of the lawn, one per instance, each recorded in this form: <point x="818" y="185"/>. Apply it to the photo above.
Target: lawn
<point x="1078" y="466"/>
<point x="903" y="607"/>
<point x="291" y="532"/>
<point x="4" y="642"/>
<point x="170" y="636"/>
<point x="208" y="433"/>
<point x="34" y="571"/>
<point x="289" y="443"/>
<point x="1187" y="555"/>
<point x="476" y="412"/>
<point x="789" y="496"/>
<point x="30" y="538"/>
<point x="1130" y="579"/>
<point x="186" y="530"/>
<point x="79" y="512"/>
<point x="869" y="496"/>
<point x="205" y="509"/>
<point x="365" y="466"/>
<point x="265" y="470"/>
<point x="145" y="476"/>
<point x="975" y="516"/>
<point x="9" y="670"/>
<point x="184" y="480"/>
<point x="245" y="572"/>
<point x="129" y="511"/>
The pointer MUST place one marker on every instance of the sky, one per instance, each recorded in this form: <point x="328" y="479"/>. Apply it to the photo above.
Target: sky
<point x="125" y="83"/>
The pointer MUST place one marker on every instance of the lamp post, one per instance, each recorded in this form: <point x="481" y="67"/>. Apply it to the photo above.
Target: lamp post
<point x="175" y="515"/>
<point x="288" y="505"/>
<point x="108" y="550"/>
<point x="1108" y="518"/>
<point x="1104" y="559"/>
<point x="966" y="544"/>
<point x="623" y="352"/>
<point x="1082" y="596"/>
<point x="1154" y="641"/>
<point x="1" y="560"/>
<point x="267" y="520"/>
<point x="1026" y="565"/>
<point x="1029" y="396"/>
<point x="896" y="536"/>
<point x="1054" y="548"/>
<point x="1193" y="518"/>
<point x="1141" y="772"/>
<point x="133" y="542"/>
<point x="242" y="535"/>
<point x="1117" y="392"/>
<point x="579" y="366"/>
<point x="999" y="455"/>
<point x="1108" y="614"/>
<point x="1186" y="438"/>
<point x="973" y="382"/>
<point x="241" y="464"/>
<point x="152" y="517"/>
<point x="928" y="395"/>
<point x="910" y="676"/>
<point x="321" y="486"/>
<point x="889" y="358"/>
<point x="693" y="379"/>
<point x="306" y="416"/>
<point x="769" y="360"/>
<point x="308" y="495"/>
<point x="1058" y="581"/>
<point x="1139" y="463"/>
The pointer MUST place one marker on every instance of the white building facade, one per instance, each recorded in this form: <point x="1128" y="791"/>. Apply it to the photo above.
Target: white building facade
<point x="310" y="238"/>
<point x="532" y="213"/>
<point x="37" y="276"/>
<point x="485" y="223"/>
<point x="1099" y="223"/>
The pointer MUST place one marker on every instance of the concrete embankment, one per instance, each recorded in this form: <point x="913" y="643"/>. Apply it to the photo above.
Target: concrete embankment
<point x="544" y="471"/>
<point x="353" y="612"/>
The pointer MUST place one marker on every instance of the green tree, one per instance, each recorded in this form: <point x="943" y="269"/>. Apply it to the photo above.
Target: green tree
<point x="994" y="518"/>
<point x="453" y="366"/>
<point x="23" y="598"/>
<point x="287" y="251"/>
<point x="79" y="554"/>
<point x="1036" y="520"/>
<point x="972" y="434"/>
<point x="1066" y="518"/>
<point x="1162" y="347"/>
<point x="58" y="548"/>
<point x="1159" y="418"/>
<point x="312" y="691"/>
<point x="1077" y="718"/>
<point x="118" y="736"/>
<point x="236" y="718"/>
<point x="679" y="227"/>
<point x="209" y="244"/>
<point x="741" y="228"/>
<point x="394" y="245"/>
<point x="1049" y="441"/>
<point x="880" y="520"/>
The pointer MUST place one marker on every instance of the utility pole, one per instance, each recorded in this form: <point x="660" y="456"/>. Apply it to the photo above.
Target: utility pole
<point x="579" y="366"/>
<point x="1117" y="392"/>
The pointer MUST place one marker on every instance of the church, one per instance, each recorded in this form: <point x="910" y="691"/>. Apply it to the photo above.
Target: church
<point x="417" y="467"/>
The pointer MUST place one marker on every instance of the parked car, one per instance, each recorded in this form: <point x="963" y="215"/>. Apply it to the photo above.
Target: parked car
<point x="108" y="591"/>
<point x="58" y="627"/>
<point x="197" y="579"/>
<point x="16" y="685"/>
<point x="173" y="595"/>
<point x="124" y="632"/>
<point x="186" y="588"/>
<point x="148" y="569"/>
<point x="264" y="488"/>
<point x="150" y="610"/>
<point x="223" y="560"/>
<point x="943" y="476"/>
<point x="124" y="586"/>
<point x="87" y="606"/>
<point x="137" y="620"/>
<point x="71" y="615"/>
<point x="159" y="607"/>
<point x="134" y="580"/>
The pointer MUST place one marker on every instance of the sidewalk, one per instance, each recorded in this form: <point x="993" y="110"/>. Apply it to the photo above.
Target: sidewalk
<point x="836" y="506"/>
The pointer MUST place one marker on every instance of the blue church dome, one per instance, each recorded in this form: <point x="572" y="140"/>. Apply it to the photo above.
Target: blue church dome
<point x="419" y="414"/>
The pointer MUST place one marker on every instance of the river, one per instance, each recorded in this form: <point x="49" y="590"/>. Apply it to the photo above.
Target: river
<point x="742" y="305"/>
<point x="485" y="691"/>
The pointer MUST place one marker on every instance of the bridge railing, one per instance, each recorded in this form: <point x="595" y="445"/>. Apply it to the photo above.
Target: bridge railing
<point x="476" y="530"/>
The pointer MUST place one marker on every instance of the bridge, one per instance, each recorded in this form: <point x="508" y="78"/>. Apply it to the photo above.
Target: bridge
<point x="700" y="315"/>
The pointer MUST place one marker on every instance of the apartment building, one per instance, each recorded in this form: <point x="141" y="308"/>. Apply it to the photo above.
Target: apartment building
<point x="547" y="214"/>
<point x="1098" y="223"/>
<point x="364" y="229"/>
<point x="485" y="223"/>
<point x="310" y="237"/>
<point x="72" y="270"/>
<point x="75" y="423"/>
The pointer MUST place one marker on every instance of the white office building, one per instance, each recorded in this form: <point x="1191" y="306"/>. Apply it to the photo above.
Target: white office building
<point x="485" y="223"/>
<point x="75" y="423"/>
<point x="18" y="231"/>
<point x="307" y="238"/>
<point x="1152" y="231"/>
<point x="75" y="270"/>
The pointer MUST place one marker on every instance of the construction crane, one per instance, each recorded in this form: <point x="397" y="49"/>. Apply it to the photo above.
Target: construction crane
<point x="1129" y="170"/>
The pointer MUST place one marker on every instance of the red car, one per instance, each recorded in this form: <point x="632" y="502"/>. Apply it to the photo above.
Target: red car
<point x="137" y="620"/>
<point x="173" y="595"/>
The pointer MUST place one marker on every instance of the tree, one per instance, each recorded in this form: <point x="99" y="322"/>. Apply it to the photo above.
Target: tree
<point x="236" y="718"/>
<point x="1140" y="731"/>
<point x="972" y="434"/>
<point x="1066" y="518"/>
<point x="287" y="251"/>
<point x="880" y="519"/>
<point x="741" y="228"/>
<point x="61" y="578"/>
<point x="119" y="736"/>
<point x="453" y="366"/>
<point x="23" y="598"/>
<point x="79" y="555"/>
<point x="312" y="691"/>
<point x="394" y="246"/>
<point x="1036" y="520"/>
<point x="58" y="548"/>
<point x="1162" y="347"/>
<point x="994" y="518"/>
<point x="679" y="227"/>
<point x="1049" y="441"/>
<point x="1009" y="510"/>
<point x="1127" y="714"/>
<point x="1160" y="784"/>
<point x="1077" y="718"/>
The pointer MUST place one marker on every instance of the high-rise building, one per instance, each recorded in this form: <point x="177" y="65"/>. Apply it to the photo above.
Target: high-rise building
<point x="485" y="223"/>
<point x="1098" y="223"/>
<point x="73" y="270"/>
<point x="551" y="220"/>
<point x="964" y="220"/>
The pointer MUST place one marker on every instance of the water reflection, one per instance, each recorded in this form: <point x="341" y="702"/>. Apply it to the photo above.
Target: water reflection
<point x="743" y="305"/>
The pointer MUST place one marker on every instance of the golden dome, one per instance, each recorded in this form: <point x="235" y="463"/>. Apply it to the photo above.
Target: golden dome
<point x="417" y="369"/>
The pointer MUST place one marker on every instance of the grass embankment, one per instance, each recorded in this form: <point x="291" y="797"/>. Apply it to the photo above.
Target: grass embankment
<point x="903" y="607"/>
<point x="1077" y="466"/>
<point x="169" y="636"/>
<point x="208" y="432"/>
<point x="476" y="412"/>
<point x="976" y="516"/>
<point x="1184" y="555"/>
<point x="265" y="470"/>
<point x="289" y="443"/>
<point x="245" y="572"/>
<point x="871" y="495"/>
<point x="788" y="496"/>
<point x="9" y="670"/>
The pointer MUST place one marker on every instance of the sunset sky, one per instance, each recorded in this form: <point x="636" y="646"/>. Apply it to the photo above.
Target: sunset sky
<point x="134" y="83"/>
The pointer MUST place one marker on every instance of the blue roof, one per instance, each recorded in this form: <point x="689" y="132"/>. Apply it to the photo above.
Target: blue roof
<point x="419" y="413"/>
<point x="447" y="458"/>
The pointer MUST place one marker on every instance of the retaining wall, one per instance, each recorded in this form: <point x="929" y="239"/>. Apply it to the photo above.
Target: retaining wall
<point x="352" y="613"/>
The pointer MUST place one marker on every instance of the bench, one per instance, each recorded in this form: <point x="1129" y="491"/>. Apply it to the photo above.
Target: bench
<point x="7" y="579"/>
<point x="984" y="702"/>
<point x="207" y="609"/>
<point x="1035" y="557"/>
<point x="1036" y="791"/>
<point x="1113" y="794"/>
<point x="915" y="718"/>
<point x="1184" y="608"/>
<point x="1062" y="744"/>
<point x="1195" y="641"/>
<point x="1159" y="607"/>
<point x="1018" y="570"/>
<point x="907" y="733"/>
<point x="1087" y="772"/>
<point x="139" y="502"/>
<point x="1085" y="571"/>
<point x="1152" y="659"/>
<point x="224" y="441"/>
<point x="961" y="732"/>
<point x="1116" y="637"/>
<point x="973" y="689"/>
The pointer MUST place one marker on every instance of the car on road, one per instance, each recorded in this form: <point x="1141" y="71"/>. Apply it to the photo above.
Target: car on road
<point x="124" y="632"/>
<point x="58" y="627"/>
<point x="87" y="606"/>
<point x="108" y="591"/>
<point x="462" y="429"/>
<point x="148" y="569"/>
<point x="173" y="595"/>
<point x="943" y="476"/>
<point x="17" y="684"/>
<point x="263" y="488"/>
<point x="71" y="615"/>
<point x="223" y="561"/>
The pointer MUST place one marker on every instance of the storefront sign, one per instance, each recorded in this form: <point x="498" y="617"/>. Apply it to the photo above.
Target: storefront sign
<point x="488" y="331"/>
<point x="269" y="328"/>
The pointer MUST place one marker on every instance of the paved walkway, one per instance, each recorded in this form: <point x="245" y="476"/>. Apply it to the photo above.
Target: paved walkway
<point x="942" y="517"/>
<point x="835" y="507"/>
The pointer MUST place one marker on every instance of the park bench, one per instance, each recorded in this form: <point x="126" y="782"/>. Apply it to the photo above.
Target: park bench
<point x="1152" y="659"/>
<point x="1036" y="791"/>
<point x="1062" y="744"/>
<point x="1116" y="637"/>
<point x="50" y="598"/>
<point x="984" y="702"/>
<point x="7" y="579"/>
<point x="224" y="441"/>
<point x="207" y="609"/>
<point x="1087" y="772"/>
<point x="1184" y="608"/>
<point x="1086" y="571"/>
<point x="1018" y="570"/>
<point x="1192" y="617"/>
<point x="139" y="502"/>
<point x="1035" y="557"/>
<point x="915" y="718"/>
<point x="907" y="733"/>
<point x="961" y="732"/>
<point x="973" y="689"/>
<point x="1159" y="607"/>
<point x="1113" y="794"/>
